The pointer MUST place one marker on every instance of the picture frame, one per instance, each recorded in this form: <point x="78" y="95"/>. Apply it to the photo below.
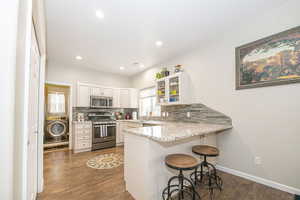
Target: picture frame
<point x="271" y="61"/>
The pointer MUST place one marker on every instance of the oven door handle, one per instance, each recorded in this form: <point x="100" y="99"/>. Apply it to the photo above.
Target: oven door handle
<point x="102" y="131"/>
<point x="105" y="130"/>
<point x="111" y="125"/>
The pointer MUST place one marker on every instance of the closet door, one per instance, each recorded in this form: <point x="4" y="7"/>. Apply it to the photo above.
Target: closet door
<point x="33" y="112"/>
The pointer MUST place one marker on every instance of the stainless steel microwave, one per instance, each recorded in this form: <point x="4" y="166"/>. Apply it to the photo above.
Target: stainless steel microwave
<point x="101" y="102"/>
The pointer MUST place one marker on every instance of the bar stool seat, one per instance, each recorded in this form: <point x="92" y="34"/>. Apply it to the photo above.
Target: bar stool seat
<point x="205" y="150"/>
<point x="179" y="185"/>
<point x="181" y="161"/>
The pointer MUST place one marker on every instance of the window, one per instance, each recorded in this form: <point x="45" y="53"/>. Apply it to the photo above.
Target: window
<point x="56" y="103"/>
<point x="148" y="105"/>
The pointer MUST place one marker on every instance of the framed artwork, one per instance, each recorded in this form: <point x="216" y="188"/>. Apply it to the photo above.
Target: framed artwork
<point x="274" y="60"/>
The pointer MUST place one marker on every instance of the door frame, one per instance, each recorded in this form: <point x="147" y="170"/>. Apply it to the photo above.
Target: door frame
<point x="40" y="155"/>
<point x="23" y="52"/>
<point x="70" y="106"/>
<point x="42" y="119"/>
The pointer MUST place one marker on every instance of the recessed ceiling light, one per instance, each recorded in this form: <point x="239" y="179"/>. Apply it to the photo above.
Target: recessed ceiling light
<point x="122" y="68"/>
<point x="142" y="65"/>
<point x="158" y="43"/>
<point x="78" y="58"/>
<point x="99" y="14"/>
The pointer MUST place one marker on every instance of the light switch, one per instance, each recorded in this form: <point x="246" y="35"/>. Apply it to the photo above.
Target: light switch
<point x="188" y="114"/>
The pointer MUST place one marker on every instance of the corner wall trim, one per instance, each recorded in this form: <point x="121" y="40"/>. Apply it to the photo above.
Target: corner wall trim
<point x="260" y="180"/>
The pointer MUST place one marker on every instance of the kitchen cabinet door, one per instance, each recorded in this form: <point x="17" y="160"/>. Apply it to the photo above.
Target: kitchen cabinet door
<point x="108" y="92"/>
<point x="97" y="91"/>
<point x="174" y="89"/>
<point x="119" y="138"/>
<point x="83" y="96"/>
<point x="125" y="98"/>
<point x="134" y="96"/>
<point x="116" y="98"/>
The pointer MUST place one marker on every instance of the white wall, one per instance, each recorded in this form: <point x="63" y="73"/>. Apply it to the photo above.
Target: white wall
<point x="21" y="99"/>
<point x="8" y="35"/>
<point x="265" y="120"/>
<point x="68" y="74"/>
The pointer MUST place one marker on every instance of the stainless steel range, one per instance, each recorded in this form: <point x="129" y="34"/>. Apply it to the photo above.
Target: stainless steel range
<point x="104" y="130"/>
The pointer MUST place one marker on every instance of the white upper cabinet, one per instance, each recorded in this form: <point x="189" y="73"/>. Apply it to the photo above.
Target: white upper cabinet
<point x="125" y="98"/>
<point x="101" y="91"/>
<point x="116" y="98"/>
<point x="134" y="98"/>
<point x="173" y="89"/>
<point x="108" y="92"/>
<point x="83" y="95"/>
<point x="122" y="97"/>
<point x="97" y="91"/>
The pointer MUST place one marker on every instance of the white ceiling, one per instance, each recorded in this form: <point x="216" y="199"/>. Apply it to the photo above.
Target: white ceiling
<point x="130" y="28"/>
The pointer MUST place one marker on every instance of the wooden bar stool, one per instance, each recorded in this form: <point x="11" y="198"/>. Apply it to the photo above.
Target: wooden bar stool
<point x="209" y="176"/>
<point x="180" y="162"/>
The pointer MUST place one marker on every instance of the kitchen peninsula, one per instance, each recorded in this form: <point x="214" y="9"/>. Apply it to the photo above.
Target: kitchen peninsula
<point x="145" y="147"/>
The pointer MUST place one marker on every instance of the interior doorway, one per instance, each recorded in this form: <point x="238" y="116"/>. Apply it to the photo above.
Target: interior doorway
<point x="58" y="111"/>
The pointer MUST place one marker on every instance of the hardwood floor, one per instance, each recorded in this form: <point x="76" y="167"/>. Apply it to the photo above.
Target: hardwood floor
<point x="68" y="178"/>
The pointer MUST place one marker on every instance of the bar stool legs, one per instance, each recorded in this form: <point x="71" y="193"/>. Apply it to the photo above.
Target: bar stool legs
<point x="180" y="187"/>
<point x="207" y="175"/>
<point x="184" y="187"/>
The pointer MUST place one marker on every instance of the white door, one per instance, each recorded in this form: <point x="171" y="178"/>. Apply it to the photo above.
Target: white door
<point x="33" y="109"/>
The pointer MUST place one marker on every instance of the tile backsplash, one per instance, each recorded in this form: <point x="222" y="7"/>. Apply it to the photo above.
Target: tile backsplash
<point x="198" y="113"/>
<point x="87" y="110"/>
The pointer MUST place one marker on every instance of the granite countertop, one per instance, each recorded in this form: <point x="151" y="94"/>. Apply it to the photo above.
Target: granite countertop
<point x="163" y="131"/>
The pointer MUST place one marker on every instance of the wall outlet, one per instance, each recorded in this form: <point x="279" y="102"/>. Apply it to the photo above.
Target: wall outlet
<point x="257" y="160"/>
<point x="188" y="114"/>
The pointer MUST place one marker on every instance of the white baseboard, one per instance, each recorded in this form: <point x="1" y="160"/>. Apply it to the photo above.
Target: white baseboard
<point x="260" y="180"/>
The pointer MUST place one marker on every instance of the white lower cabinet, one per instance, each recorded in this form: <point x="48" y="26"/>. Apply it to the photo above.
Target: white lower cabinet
<point x="120" y="136"/>
<point x="121" y="126"/>
<point x="82" y="136"/>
